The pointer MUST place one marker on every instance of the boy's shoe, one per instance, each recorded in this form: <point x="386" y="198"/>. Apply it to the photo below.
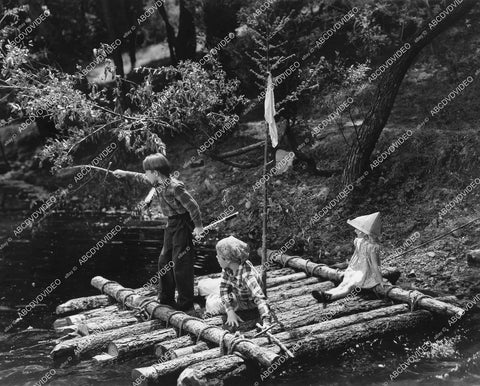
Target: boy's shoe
<point x="172" y="304"/>
<point x="321" y="297"/>
<point x="184" y="307"/>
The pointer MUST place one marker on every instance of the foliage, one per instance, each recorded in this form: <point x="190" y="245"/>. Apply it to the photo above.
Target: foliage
<point x="186" y="100"/>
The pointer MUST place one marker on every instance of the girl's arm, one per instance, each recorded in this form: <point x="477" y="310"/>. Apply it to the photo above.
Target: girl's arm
<point x="375" y="260"/>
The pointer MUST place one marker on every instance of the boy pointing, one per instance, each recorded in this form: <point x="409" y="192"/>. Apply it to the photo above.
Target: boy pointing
<point x="184" y="216"/>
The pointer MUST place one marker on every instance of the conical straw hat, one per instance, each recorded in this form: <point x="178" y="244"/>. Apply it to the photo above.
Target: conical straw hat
<point x="369" y="224"/>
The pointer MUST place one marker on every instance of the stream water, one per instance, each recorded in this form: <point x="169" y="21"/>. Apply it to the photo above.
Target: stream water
<point x="31" y="263"/>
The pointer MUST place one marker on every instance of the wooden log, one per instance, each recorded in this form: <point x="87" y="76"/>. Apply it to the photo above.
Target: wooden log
<point x="340" y="338"/>
<point x="91" y="314"/>
<point x="202" y="346"/>
<point x="216" y="369"/>
<point x="103" y="358"/>
<point x="294" y="277"/>
<point x="327" y="322"/>
<point x="212" y="371"/>
<point x="85" y="303"/>
<point x="170" y="368"/>
<point x="392" y="292"/>
<point x="165" y="349"/>
<point x="292" y="338"/>
<point x="188" y="323"/>
<point x="94" y="344"/>
<point x="110" y="322"/>
<point x="139" y="344"/>
<point x="391" y="274"/>
<point x="323" y="342"/>
<point x="67" y="331"/>
<point x="316" y="313"/>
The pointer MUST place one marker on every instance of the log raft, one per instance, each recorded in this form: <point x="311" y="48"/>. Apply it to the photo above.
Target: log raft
<point x="199" y="351"/>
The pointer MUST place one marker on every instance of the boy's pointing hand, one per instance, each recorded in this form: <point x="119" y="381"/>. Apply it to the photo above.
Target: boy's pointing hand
<point x="119" y="173"/>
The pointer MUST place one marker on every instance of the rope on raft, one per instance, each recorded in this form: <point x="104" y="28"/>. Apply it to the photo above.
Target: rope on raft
<point x="199" y="336"/>
<point x="187" y="319"/>
<point x="414" y="295"/>
<point x="107" y="282"/>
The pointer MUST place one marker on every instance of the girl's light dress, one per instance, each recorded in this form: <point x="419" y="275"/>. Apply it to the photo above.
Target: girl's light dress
<point x="363" y="270"/>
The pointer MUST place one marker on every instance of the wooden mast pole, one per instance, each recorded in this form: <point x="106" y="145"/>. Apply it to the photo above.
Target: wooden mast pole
<point x="265" y="187"/>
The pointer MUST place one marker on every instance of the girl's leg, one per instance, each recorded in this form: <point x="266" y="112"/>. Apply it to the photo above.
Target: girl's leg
<point x="340" y="292"/>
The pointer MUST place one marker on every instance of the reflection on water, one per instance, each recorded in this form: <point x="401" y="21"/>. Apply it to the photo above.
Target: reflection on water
<point x="28" y="266"/>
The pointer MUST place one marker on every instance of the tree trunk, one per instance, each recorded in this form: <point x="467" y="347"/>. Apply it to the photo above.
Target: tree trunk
<point x="139" y="344"/>
<point x="394" y="293"/>
<point x="170" y="34"/>
<point x="131" y="16"/>
<point x="376" y="118"/>
<point x="186" y="43"/>
<point x="108" y="7"/>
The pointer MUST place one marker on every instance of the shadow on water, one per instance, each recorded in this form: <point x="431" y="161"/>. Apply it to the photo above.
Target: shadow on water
<point x="29" y="265"/>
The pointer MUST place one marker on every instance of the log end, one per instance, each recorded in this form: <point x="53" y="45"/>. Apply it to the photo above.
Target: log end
<point x="64" y="308"/>
<point x="61" y="331"/>
<point x="162" y="352"/>
<point x="113" y="350"/>
<point x="141" y="376"/>
<point x="59" y="351"/>
<point x="191" y="377"/>
<point x="62" y="322"/>
<point x="103" y="358"/>
<point x="98" y="282"/>
<point x="83" y="329"/>
<point x="76" y="319"/>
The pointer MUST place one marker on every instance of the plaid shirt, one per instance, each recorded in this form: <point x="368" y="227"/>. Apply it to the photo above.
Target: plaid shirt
<point x="245" y="285"/>
<point x="173" y="198"/>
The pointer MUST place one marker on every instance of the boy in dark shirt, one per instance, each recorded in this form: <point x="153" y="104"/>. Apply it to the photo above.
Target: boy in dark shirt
<point x="184" y="216"/>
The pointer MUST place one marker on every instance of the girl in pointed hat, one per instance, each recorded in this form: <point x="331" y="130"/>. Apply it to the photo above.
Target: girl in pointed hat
<point x="364" y="268"/>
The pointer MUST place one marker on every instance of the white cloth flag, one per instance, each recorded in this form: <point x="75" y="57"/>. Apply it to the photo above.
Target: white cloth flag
<point x="270" y="111"/>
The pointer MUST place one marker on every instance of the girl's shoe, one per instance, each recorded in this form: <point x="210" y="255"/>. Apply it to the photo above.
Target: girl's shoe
<point x="321" y="297"/>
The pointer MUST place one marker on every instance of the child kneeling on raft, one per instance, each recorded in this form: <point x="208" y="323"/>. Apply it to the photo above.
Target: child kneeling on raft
<point x="363" y="271"/>
<point x="239" y="287"/>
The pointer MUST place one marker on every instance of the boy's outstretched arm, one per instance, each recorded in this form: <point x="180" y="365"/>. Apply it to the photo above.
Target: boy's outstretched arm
<point x="139" y="177"/>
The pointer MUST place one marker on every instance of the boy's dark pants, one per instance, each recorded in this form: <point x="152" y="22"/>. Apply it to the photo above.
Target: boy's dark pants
<point x="177" y="248"/>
